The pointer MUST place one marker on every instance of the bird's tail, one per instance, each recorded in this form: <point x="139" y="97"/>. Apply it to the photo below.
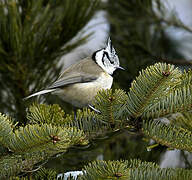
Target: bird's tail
<point x="39" y="93"/>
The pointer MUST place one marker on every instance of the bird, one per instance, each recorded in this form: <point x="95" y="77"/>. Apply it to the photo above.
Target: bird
<point x="79" y="83"/>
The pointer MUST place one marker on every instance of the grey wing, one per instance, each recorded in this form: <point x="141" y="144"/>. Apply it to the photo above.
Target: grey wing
<point x="71" y="79"/>
<point x="84" y="71"/>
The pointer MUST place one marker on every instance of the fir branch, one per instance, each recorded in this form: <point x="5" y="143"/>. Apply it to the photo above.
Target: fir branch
<point x="34" y="143"/>
<point x="133" y="169"/>
<point x="47" y="114"/>
<point x="168" y="135"/>
<point x="11" y="165"/>
<point x="6" y="129"/>
<point x="159" y="174"/>
<point x="186" y="78"/>
<point x="110" y="104"/>
<point x="134" y="163"/>
<point x="179" y="100"/>
<point x="183" y="120"/>
<point x="45" y="137"/>
<point x="44" y="173"/>
<point x="149" y="86"/>
<point x="87" y="121"/>
<point x="106" y="170"/>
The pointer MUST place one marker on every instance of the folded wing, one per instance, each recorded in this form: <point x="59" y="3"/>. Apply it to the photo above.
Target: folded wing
<point x="84" y="71"/>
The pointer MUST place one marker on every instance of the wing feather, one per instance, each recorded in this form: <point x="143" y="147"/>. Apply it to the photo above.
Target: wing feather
<point x="84" y="71"/>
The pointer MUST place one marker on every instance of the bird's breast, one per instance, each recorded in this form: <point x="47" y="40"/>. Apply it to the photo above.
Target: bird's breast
<point x="81" y="94"/>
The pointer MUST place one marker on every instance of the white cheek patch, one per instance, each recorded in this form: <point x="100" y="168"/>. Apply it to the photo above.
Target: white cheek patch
<point x="107" y="65"/>
<point x="98" y="59"/>
<point x="108" y="69"/>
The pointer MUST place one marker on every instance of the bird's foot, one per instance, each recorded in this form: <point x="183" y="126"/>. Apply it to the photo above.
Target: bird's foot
<point x="96" y="110"/>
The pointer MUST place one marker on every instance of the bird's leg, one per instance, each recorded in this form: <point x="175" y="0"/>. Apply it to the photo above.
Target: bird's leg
<point x="75" y="113"/>
<point x="96" y="110"/>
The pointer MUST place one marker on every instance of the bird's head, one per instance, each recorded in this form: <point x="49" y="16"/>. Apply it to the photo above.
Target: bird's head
<point x="107" y="58"/>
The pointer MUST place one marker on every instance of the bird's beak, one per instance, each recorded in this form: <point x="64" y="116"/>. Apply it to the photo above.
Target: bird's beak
<point x="119" y="67"/>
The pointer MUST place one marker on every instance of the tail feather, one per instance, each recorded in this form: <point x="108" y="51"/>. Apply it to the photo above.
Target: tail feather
<point x="39" y="93"/>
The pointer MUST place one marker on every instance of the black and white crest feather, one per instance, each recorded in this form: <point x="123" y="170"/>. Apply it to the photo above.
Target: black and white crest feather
<point x="107" y="58"/>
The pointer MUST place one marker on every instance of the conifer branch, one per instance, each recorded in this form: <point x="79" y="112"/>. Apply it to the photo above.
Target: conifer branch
<point x="149" y="86"/>
<point x="110" y="105"/>
<point x="88" y="122"/>
<point x="45" y="137"/>
<point x="11" y="165"/>
<point x="6" y="129"/>
<point x="133" y="169"/>
<point x="179" y="100"/>
<point x="34" y="143"/>
<point x="47" y="114"/>
<point x="106" y="170"/>
<point x="44" y="173"/>
<point x="183" y="120"/>
<point x="168" y="135"/>
<point x="186" y="79"/>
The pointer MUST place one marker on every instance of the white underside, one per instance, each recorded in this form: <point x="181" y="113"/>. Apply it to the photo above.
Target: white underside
<point x="81" y="94"/>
